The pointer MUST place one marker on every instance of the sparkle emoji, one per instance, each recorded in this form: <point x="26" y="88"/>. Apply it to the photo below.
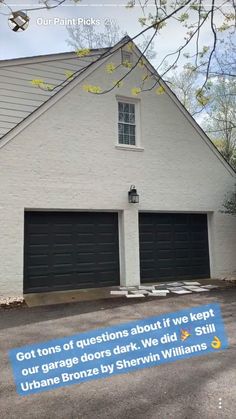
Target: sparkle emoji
<point x="216" y="343"/>
<point x="184" y="335"/>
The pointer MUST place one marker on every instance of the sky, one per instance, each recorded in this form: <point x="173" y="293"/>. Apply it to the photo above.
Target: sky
<point x="44" y="36"/>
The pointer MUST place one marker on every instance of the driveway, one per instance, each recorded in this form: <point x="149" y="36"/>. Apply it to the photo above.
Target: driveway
<point x="187" y="389"/>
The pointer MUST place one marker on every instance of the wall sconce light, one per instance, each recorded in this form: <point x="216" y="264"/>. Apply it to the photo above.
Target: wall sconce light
<point x="133" y="196"/>
<point x="18" y="21"/>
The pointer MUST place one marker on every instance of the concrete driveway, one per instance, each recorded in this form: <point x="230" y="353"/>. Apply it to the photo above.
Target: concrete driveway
<point x="187" y="389"/>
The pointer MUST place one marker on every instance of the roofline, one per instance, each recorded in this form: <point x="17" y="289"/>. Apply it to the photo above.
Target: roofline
<point x="48" y="57"/>
<point x="190" y="118"/>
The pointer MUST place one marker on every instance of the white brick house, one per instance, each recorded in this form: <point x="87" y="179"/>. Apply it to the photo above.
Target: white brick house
<point x="65" y="173"/>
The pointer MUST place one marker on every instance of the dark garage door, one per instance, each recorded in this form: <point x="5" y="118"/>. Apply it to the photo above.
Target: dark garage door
<point x="66" y="250"/>
<point x="173" y="246"/>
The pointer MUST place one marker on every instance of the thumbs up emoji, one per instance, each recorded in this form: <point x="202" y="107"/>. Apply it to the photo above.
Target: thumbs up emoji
<point x="216" y="343"/>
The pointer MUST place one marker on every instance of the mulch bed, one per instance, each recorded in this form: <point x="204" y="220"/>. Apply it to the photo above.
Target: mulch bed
<point x="12" y="302"/>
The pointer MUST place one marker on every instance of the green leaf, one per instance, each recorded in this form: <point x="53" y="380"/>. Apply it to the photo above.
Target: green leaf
<point x="127" y="64"/>
<point x="130" y="4"/>
<point x="160" y="90"/>
<point x="135" y="91"/>
<point x="92" y="89"/>
<point x="82" y="52"/>
<point x="118" y="83"/>
<point x="183" y="17"/>
<point x="201" y="98"/>
<point x="142" y="20"/>
<point x="110" y="68"/>
<point x="69" y="75"/>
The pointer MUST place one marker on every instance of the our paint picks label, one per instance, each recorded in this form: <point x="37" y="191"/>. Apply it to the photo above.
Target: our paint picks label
<point x="119" y="349"/>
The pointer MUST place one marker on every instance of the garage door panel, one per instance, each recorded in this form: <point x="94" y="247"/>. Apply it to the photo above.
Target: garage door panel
<point x="58" y="268"/>
<point x="72" y="250"/>
<point x="163" y="236"/>
<point x="146" y="228"/>
<point x="177" y="246"/>
<point x="86" y="257"/>
<point x="59" y="280"/>
<point x="165" y="263"/>
<point x="62" y="258"/>
<point x="184" y="271"/>
<point x="147" y="273"/>
<point x="84" y="247"/>
<point x="106" y="238"/>
<point x="147" y="236"/>
<point x="162" y="219"/>
<point x="85" y="239"/>
<point x="198" y="235"/>
<point x="199" y="271"/>
<point x="182" y="253"/>
<point x="85" y="275"/>
<point x="148" y="264"/>
<point x="147" y="254"/>
<point x="181" y="263"/>
<point x="36" y="249"/>
<point x="150" y="228"/>
<point x="38" y="239"/>
<point x="107" y="256"/>
<point x="165" y="254"/>
<point x="107" y="266"/>
<point x="39" y="258"/>
<point x="198" y="227"/>
<point x="196" y="219"/>
<point x="163" y="228"/>
<point x="199" y="261"/>
<point x="164" y="245"/>
<point x="180" y="244"/>
<point x="165" y="273"/>
<point x="105" y="247"/>
<point x="85" y="266"/>
<point x="146" y="247"/>
<point x="198" y="252"/>
<point x="180" y="228"/>
<point x="199" y="245"/>
<point x="106" y="278"/>
<point x="62" y="238"/>
<point x="38" y="280"/>
<point x="84" y="228"/>
<point x="62" y="227"/>
<point x="38" y="270"/>
<point x="181" y="236"/>
<point x="38" y="228"/>
<point x="106" y="228"/>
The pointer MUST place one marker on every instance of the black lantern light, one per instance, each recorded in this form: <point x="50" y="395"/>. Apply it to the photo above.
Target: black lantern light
<point x="133" y="196"/>
<point x="18" y="21"/>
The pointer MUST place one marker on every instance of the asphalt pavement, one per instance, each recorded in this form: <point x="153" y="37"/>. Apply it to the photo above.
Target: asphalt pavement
<point x="193" y="388"/>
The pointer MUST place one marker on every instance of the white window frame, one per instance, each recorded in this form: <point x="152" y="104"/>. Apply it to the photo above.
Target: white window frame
<point x="136" y="103"/>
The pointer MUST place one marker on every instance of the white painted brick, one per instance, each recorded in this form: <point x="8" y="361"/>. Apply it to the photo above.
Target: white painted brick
<point x="67" y="160"/>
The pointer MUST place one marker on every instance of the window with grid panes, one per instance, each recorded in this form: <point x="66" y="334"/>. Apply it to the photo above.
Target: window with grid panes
<point x="126" y="124"/>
